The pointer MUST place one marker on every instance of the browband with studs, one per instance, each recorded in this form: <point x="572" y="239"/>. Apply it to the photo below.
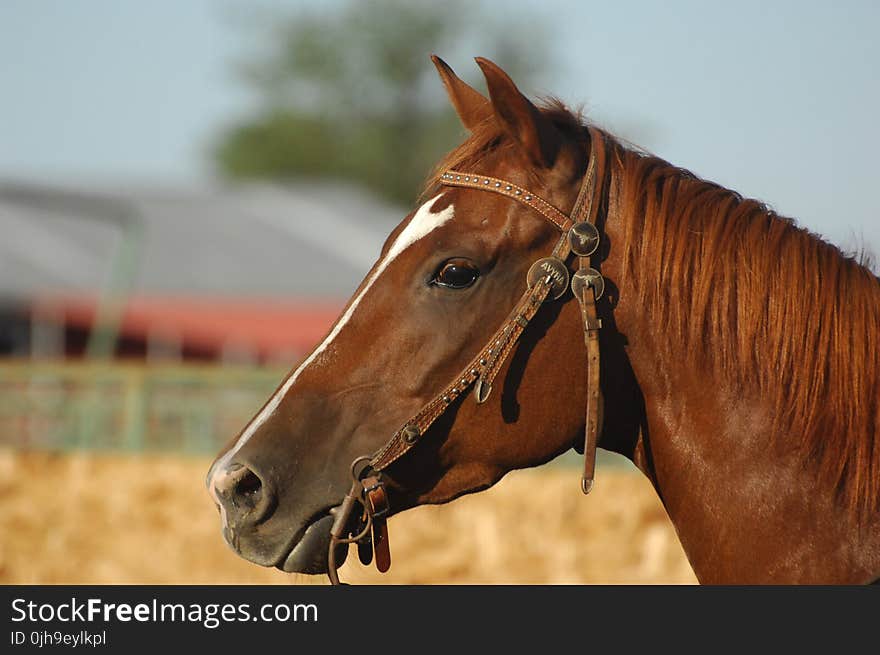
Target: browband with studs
<point x="509" y="189"/>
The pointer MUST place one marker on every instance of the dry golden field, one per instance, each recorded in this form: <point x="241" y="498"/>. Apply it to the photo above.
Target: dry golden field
<point x="113" y="519"/>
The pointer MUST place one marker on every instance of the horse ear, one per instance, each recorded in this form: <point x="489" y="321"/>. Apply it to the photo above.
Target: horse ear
<point x="471" y="106"/>
<point x="518" y="117"/>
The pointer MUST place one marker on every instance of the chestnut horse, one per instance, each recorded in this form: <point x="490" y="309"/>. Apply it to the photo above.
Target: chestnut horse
<point x="740" y="361"/>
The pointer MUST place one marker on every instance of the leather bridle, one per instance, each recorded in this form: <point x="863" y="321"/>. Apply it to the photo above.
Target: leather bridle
<point x="548" y="279"/>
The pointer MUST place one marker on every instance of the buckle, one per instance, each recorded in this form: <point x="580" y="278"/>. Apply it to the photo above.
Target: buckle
<point x="376" y="485"/>
<point x="370" y="485"/>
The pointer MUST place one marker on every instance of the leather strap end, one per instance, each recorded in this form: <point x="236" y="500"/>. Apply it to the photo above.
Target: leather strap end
<point x="365" y="551"/>
<point x="380" y="545"/>
<point x="586" y="485"/>
<point x="482" y="389"/>
<point x="377" y="498"/>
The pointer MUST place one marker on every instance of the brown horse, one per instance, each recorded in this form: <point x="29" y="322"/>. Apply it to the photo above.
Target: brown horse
<point x="740" y="361"/>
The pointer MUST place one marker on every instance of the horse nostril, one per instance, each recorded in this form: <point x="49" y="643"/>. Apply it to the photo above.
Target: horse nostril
<point x="249" y="487"/>
<point x="241" y="493"/>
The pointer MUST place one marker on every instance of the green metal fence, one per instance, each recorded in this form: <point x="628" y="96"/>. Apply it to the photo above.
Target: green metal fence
<point x="136" y="407"/>
<point x="133" y="407"/>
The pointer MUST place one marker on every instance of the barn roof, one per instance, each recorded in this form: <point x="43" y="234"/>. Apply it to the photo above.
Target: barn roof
<point x="299" y="241"/>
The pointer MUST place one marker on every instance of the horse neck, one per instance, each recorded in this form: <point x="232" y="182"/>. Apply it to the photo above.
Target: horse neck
<point x="746" y="511"/>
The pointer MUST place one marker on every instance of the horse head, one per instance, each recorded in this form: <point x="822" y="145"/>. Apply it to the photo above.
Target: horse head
<point x="446" y="279"/>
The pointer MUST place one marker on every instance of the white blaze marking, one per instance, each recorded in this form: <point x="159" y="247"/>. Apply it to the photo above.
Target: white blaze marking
<point x="421" y="224"/>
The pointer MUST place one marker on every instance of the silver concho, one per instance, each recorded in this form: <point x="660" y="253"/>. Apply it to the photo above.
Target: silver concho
<point x="589" y="277"/>
<point x="583" y="238"/>
<point x="557" y="271"/>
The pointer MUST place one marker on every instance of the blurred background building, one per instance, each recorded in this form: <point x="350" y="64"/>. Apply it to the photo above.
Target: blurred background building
<point x="235" y="274"/>
<point x="170" y="174"/>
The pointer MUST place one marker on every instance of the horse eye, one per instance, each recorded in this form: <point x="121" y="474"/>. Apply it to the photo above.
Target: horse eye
<point x="456" y="274"/>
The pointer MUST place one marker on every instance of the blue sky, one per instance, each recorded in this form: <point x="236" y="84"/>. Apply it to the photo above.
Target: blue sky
<point x="778" y="100"/>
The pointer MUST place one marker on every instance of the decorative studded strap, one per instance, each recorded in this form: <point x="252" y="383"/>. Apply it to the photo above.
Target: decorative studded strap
<point x="509" y="189"/>
<point x="481" y="370"/>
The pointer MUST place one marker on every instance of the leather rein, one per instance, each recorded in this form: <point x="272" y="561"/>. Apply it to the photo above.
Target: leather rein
<point x="548" y="279"/>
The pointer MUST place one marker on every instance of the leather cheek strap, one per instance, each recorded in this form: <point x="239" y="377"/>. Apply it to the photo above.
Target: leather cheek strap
<point x="593" y="420"/>
<point x="481" y="370"/>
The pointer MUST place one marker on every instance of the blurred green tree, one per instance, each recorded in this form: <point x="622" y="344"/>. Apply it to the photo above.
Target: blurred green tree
<point x="351" y="93"/>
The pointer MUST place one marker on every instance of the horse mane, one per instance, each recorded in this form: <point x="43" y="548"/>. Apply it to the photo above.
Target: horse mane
<point x="751" y="297"/>
<point x="769" y="306"/>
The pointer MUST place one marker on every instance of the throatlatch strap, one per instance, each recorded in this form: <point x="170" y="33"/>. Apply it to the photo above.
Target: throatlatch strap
<point x="585" y="209"/>
<point x="587" y="302"/>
